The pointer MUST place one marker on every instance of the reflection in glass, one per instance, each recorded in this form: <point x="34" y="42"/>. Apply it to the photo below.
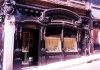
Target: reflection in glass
<point x="70" y="44"/>
<point x="53" y="44"/>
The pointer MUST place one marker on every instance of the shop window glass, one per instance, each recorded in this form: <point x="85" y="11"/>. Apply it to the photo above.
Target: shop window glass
<point x="53" y="44"/>
<point x="70" y="45"/>
<point x="96" y="36"/>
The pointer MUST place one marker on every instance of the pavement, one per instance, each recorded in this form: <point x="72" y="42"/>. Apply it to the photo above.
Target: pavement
<point x="66" y="63"/>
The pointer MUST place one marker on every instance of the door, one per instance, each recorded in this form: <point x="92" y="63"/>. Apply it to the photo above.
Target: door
<point x="29" y="48"/>
<point x="30" y="43"/>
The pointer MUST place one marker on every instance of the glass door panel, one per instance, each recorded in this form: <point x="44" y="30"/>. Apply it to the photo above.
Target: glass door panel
<point x="25" y="46"/>
<point x="27" y="43"/>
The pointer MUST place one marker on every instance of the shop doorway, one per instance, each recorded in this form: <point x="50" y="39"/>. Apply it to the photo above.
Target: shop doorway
<point x="30" y="43"/>
<point x="26" y="48"/>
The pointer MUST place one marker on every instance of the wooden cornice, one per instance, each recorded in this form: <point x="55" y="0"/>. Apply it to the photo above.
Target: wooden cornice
<point x="53" y="5"/>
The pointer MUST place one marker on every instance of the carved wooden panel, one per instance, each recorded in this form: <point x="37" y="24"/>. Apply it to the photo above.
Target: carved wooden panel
<point x="31" y="1"/>
<point x="73" y="6"/>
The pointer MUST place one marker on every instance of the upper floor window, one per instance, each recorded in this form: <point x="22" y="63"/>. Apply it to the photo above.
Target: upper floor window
<point x="95" y="2"/>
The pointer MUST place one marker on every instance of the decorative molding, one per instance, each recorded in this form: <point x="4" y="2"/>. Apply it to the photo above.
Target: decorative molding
<point x="78" y="2"/>
<point x="69" y="3"/>
<point x="95" y="6"/>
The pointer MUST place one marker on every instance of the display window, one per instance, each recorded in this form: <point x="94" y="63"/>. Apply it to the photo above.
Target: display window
<point x="53" y="44"/>
<point x="96" y="36"/>
<point x="70" y="45"/>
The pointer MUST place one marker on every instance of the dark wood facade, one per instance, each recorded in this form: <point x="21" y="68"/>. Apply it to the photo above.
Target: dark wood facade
<point x="41" y="24"/>
<point x="70" y="5"/>
<point x="45" y="29"/>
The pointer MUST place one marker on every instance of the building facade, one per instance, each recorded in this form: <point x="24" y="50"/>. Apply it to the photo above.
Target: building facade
<point x="43" y="30"/>
<point x="95" y="8"/>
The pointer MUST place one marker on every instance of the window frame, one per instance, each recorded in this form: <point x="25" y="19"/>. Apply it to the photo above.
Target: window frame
<point x="96" y="5"/>
<point x="79" y="2"/>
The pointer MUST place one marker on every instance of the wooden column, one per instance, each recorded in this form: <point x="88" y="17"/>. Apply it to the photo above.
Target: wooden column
<point x="78" y="39"/>
<point x="85" y="44"/>
<point x="40" y="45"/>
<point x="44" y="32"/>
<point x="62" y="42"/>
<point x="91" y="36"/>
<point x="44" y="49"/>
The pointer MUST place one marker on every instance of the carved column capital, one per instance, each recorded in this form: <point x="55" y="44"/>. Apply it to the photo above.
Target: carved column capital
<point x="8" y="8"/>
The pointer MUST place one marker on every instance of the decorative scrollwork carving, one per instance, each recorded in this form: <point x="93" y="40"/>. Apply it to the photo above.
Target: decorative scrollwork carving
<point x="8" y="7"/>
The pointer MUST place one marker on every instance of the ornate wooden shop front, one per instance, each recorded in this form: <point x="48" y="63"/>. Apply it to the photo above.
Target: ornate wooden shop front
<point x="55" y="32"/>
<point x="62" y="34"/>
<point x="42" y="34"/>
<point x="28" y="37"/>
